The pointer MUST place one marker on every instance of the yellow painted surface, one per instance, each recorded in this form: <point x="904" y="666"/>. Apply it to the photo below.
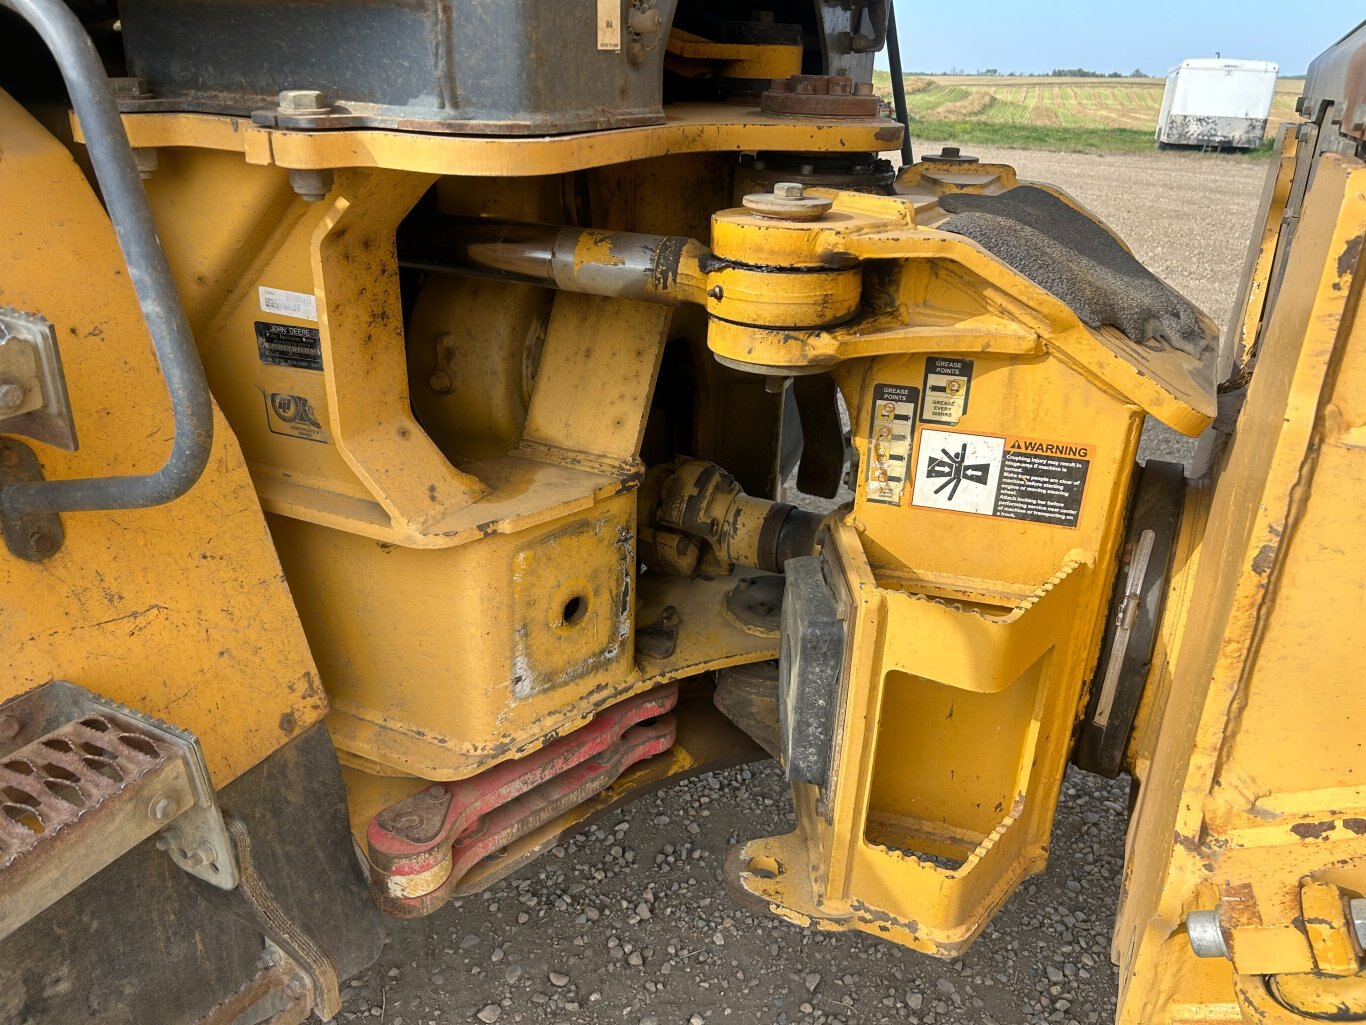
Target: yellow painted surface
<point x="688" y="128"/>
<point x="1233" y="814"/>
<point x="179" y="611"/>
<point x="974" y="631"/>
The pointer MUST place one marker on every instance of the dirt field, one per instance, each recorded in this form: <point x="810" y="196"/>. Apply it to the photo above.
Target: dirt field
<point x="630" y="923"/>
<point x="1055" y="102"/>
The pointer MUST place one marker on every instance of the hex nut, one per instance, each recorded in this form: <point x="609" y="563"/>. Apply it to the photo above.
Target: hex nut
<point x="789" y="190"/>
<point x="310" y="185"/>
<point x="202" y="855"/>
<point x="163" y="809"/>
<point x="302" y="101"/>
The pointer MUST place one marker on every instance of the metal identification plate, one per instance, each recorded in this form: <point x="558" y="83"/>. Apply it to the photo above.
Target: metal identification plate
<point x="286" y="345"/>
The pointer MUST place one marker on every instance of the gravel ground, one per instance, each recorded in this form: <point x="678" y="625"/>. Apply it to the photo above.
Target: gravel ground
<point x="630" y="921"/>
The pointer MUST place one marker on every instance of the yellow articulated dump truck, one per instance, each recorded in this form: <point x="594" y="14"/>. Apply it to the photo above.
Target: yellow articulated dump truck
<point x="426" y="425"/>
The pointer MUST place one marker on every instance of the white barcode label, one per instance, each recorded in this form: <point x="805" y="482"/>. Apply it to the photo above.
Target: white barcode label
<point x="299" y="305"/>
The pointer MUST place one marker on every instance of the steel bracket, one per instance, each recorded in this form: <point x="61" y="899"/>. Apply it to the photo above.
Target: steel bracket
<point x="33" y="397"/>
<point x="83" y="780"/>
<point x="32" y="536"/>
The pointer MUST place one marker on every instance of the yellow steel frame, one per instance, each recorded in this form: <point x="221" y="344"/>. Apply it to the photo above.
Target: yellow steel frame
<point x="971" y="636"/>
<point x="1252" y="802"/>
<point x="178" y="611"/>
<point x="432" y="571"/>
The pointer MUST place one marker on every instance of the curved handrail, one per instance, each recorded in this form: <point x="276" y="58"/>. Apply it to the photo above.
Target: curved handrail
<point x="112" y="157"/>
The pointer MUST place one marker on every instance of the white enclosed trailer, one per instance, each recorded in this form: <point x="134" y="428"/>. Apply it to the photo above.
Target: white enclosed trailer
<point x="1210" y="101"/>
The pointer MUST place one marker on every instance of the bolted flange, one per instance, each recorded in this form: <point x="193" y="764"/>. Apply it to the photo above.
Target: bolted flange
<point x="789" y="202"/>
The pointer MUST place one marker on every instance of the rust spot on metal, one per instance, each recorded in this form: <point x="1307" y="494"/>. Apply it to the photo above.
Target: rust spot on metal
<point x="1264" y="560"/>
<point x="1187" y="843"/>
<point x="287" y="723"/>
<point x="1313" y="830"/>
<point x="1357" y="826"/>
<point x="1350" y="256"/>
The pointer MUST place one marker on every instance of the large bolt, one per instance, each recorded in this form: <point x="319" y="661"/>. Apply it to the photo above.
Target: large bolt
<point x="202" y="855"/>
<point x="163" y="809"/>
<point x="789" y="190"/>
<point x="269" y="958"/>
<point x="311" y="185"/>
<point x="1206" y="935"/>
<point x="11" y="395"/>
<point x="302" y="101"/>
<point x="296" y="987"/>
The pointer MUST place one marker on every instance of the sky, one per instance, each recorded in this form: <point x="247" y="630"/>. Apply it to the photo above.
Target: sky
<point x="1112" y="35"/>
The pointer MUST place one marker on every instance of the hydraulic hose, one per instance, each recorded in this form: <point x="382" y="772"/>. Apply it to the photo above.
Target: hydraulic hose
<point x="898" y="85"/>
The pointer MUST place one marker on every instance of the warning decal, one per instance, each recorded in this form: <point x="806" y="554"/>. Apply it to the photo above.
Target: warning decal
<point x="285" y="345"/>
<point x="947" y="382"/>
<point x="889" y="442"/>
<point x="1010" y="477"/>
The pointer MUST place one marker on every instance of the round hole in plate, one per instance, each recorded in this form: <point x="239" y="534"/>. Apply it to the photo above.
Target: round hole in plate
<point x="764" y="867"/>
<point x="574" y="610"/>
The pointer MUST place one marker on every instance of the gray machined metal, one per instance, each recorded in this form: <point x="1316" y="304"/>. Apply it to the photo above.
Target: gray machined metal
<point x="85" y="780"/>
<point x="1206" y="935"/>
<point x="489" y="67"/>
<point x="635" y="265"/>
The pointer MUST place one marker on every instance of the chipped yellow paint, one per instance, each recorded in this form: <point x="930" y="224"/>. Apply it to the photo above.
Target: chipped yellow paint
<point x="180" y="611"/>
<point x="973" y="635"/>
<point x="688" y="128"/>
<point x="1262" y="670"/>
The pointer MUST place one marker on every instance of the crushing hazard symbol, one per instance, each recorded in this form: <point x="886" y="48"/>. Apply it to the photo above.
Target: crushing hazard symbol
<point x="953" y="468"/>
<point x="1007" y="476"/>
<point x="957" y="471"/>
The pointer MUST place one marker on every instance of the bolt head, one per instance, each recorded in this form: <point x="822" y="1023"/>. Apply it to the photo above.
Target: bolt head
<point x="302" y="100"/>
<point x="441" y="381"/>
<point x="163" y="809"/>
<point x="9" y="727"/>
<point x="41" y="543"/>
<point x="295" y="988"/>
<point x="11" y="395"/>
<point x="789" y="190"/>
<point x="129" y="88"/>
